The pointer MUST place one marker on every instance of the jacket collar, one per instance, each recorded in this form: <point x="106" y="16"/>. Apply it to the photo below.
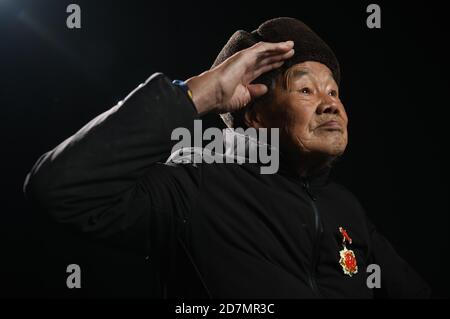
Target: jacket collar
<point x="233" y="138"/>
<point x="234" y="142"/>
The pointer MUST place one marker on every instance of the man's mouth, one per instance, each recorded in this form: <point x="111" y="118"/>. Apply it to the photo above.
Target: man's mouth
<point x="332" y="125"/>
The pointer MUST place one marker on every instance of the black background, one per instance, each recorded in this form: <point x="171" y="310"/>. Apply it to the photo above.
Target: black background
<point x="395" y="87"/>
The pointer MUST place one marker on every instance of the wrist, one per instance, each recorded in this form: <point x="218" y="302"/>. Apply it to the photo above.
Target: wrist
<point x="182" y="84"/>
<point x="205" y="93"/>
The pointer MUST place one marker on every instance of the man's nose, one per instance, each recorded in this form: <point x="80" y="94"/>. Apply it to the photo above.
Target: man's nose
<point x="328" y="105"/>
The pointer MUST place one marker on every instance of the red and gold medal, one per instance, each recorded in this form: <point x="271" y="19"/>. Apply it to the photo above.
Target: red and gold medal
<point x="348" y="258"/>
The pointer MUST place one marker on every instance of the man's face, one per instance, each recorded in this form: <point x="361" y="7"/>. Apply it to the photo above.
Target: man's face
<point x="305" y="105"/>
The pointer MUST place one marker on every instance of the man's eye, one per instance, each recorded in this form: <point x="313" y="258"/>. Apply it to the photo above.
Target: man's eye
<point x="305" y="90"/>
<point x="332" y="93"/>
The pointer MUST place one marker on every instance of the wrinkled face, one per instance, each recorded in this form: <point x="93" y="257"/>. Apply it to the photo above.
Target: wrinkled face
<point x="305" y="105"/>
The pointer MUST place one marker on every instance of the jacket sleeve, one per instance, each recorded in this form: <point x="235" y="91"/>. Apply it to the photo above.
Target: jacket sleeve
<point x="107" y="181"/>
<point x="398" y="278"/>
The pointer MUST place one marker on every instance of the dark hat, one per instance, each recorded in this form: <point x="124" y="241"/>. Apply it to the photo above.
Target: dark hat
<point x="307" y="44"/>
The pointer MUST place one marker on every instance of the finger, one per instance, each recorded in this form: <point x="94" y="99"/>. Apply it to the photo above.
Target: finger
<point x="257" y="90"/>
<point x="269" y="47"/>
<point x="277" y="57"/>
<point x="265" y="54"/>
<point x="265" y="49"/>
<point x="262" y="50"/>
<point x="252" y="56"/>
<point x="265" y="68"/>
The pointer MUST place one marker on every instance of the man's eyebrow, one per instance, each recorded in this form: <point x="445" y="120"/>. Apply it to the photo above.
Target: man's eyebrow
<point x="292" y="75"/>
<point x="297" y="74"/>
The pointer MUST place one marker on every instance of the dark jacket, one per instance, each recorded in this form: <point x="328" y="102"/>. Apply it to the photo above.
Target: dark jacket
<point x="212" y="230"/>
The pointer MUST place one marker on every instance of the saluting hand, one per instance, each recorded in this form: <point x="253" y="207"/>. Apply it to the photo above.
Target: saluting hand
<point x="227" y="87"/>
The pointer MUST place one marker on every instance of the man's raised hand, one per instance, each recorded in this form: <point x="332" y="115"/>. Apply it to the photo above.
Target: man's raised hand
<point x="227" y="87"/>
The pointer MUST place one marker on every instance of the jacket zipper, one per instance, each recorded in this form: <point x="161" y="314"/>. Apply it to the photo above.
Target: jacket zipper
<point x="318" y="231"/>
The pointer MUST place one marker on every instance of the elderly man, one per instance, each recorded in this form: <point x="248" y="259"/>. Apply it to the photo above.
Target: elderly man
<point x="224" y="230"/>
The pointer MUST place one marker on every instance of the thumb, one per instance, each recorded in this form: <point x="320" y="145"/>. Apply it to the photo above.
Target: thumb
<point x="257" y="90"/>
